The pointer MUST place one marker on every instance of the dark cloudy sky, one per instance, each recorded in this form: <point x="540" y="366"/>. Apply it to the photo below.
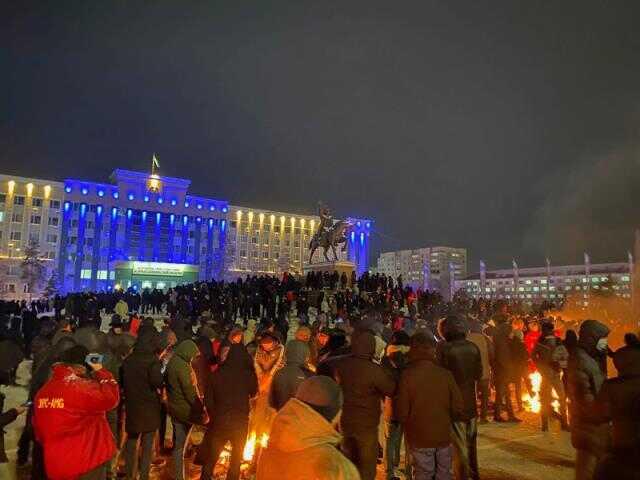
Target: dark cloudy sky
<point x="507" y="127"/>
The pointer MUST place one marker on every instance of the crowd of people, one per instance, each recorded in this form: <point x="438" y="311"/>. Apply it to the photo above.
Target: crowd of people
<point x="316" y="377"/>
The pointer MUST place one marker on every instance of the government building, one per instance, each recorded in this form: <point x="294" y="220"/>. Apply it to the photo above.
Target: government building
<point x="144" y="230"/>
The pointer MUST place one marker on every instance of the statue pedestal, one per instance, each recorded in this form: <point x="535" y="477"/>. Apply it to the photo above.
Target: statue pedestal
<point x="339" y="266"/>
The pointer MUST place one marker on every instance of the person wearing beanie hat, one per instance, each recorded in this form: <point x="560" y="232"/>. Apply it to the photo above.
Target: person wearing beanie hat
<point x="394" y="361"/>
<point x="462" y="358"/>
<point x="303" y="443"/>
<point x="69" y="417"/>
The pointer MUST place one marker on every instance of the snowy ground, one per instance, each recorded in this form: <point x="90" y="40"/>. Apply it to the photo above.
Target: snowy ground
<point x="506" y="451"/>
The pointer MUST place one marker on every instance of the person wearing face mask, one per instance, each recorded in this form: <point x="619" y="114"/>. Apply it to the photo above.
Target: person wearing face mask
<point x="303" y="442"/>
<point x="585" y="378"/>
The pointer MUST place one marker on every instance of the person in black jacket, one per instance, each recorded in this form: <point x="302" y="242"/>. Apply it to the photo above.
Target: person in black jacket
<point x="141" y="379"/>
<point x="462" y="358"/>
<point x="618" y="402"/>
<point x="503" y="370"/>
<point x="227" y="397"/>
<point x="586" y="377"/>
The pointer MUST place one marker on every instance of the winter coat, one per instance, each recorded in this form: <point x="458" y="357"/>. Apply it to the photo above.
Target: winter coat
<point x="122" y="309"/>
<point x="427" y="413"/>
<point x="303" y="446"/>
<point x="228" y="394"/>
<point x="39" y="349"/>
<point x="69" y="421"/>
<point x="520" y="359"/>
<point x="545" y="354"/>
<point x="394" y="362"/>
<point x="286" y="380"/>
<point x="231" y="387"/>
<point x="364" y="385"/>
<point x="5" y="419"/>
<point x="619" y="402"/>
<point x="485" y="346"/>
<point x="462" y="358"/>
<point x="141" y="378"/>
<point x="181" y="381"/>
<point x="585" y="378"/>
<point x="503" y="367"/>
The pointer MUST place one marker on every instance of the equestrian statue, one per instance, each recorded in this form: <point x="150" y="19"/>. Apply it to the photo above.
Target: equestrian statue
<point x="330" y="234"/>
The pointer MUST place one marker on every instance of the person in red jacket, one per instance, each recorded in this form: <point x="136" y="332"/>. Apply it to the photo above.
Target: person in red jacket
<point x="70" y="420"/>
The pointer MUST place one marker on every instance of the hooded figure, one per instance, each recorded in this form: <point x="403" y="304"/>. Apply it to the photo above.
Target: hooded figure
<point x="183" y="399"/>
<point x="227" y="397"/>
<point x="619" y="402"/>
<point x="286" y="380"/>
<point x="303" y="444"/>
<point x="181" y="381"/>
<point x="586" y="377"/>
<point x="142" y="378"/>
<point x="364" y="385"/>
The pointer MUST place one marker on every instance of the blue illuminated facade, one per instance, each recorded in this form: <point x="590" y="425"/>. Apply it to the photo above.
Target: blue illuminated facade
<point x="140" y="217"/>
<point x="137" y="217"/>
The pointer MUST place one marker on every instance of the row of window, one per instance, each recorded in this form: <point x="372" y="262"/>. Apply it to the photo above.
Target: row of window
<point x="16" y="235"/>
<point x="35" y="201"/>
<point x="34" y="220"/>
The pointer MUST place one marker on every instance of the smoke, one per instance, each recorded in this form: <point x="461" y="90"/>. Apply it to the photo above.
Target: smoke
<point x="594" y="208"/>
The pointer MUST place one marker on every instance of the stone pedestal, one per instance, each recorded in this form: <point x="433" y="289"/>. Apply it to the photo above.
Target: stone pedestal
<point x="340" y="266"/>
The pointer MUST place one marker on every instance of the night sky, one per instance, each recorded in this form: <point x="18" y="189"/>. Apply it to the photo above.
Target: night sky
<point x="510" y="128"/>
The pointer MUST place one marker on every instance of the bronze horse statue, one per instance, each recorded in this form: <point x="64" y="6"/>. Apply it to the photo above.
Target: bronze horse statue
<point x="336" y="235"/>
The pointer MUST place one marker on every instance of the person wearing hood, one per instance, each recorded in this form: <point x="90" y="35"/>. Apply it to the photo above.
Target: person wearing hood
<point x="365" y="385"/>
<point x="462" y="358"/>
<point x="303" y="443"/>
<point x="227" y="398"/>
<point x="618" y="402"/>
<point x="428" y="414"/>
<point x="394" y="361"/>
<point x="69" y="418"/>
<point x="183" y="398"/>
<point x="122" y="308"/>
<point x="286" y="380"/>
<point x="585" y="379"/>
<point x="141" y="379"/>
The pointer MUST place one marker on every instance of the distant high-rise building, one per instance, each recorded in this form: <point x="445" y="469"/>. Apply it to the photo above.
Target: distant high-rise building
<point x="430" y="268"/>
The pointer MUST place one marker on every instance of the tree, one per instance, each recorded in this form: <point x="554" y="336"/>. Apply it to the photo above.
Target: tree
<point x="32" y="267"/>
<point x="51" y="289"/>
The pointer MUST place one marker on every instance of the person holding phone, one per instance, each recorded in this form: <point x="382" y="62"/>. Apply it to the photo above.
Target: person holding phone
<point x="69" y="418"/>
